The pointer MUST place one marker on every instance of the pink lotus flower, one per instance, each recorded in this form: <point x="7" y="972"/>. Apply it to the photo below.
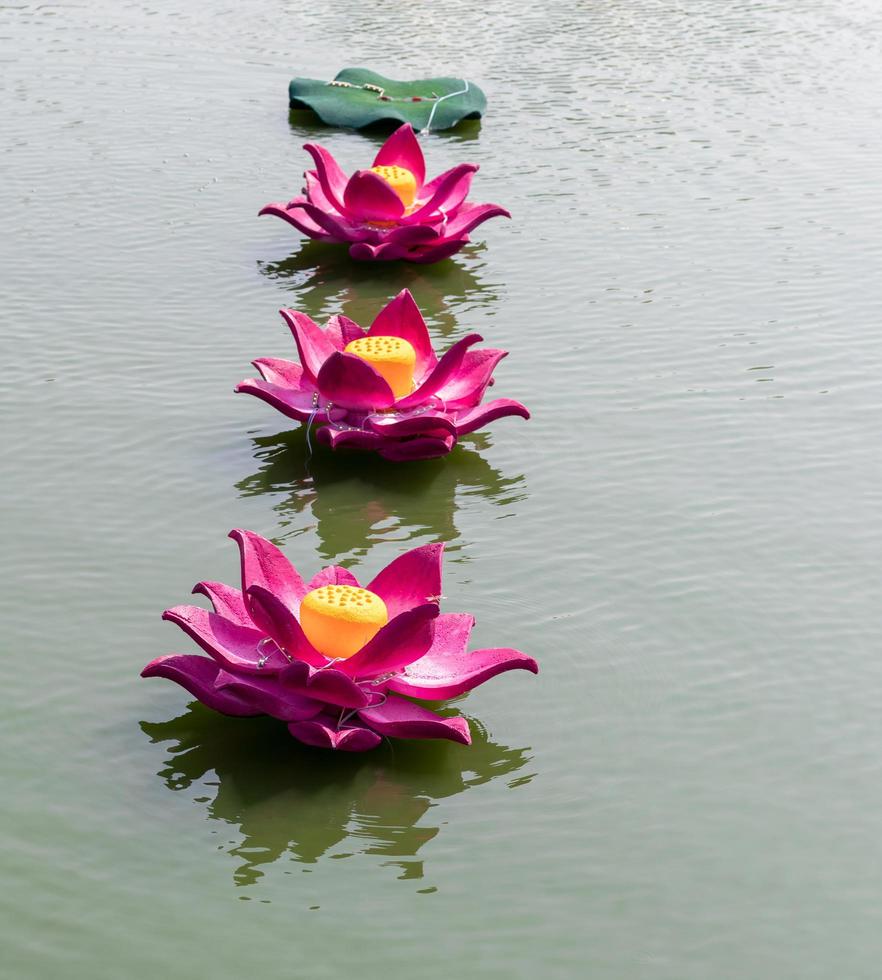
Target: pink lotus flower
<point x="389" y="211"/>
<point x="331" y="658"/>
<point x="385" y="389"/>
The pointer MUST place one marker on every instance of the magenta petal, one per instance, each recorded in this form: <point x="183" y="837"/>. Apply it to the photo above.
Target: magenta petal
<point x="268" y="696"/>
<point x="400" y="642"/>
<point x="398" y="718"/>
<point x="444" y="371"/>
<point x="296" y="213"/>
<point x="234" y="647"/>
<point x="263" y="564"/>
<point x="324" y="733"/>
<point x="227" y="601"/>
<point x="312" y="344"/>
<point x="422" y="447"/>
<point x="282" y="625"/>
<point x="441" y="675"/>
<point x="197" y="675"/>
<point x="332" y="575"/>
<point x="287" y="374"/>
<point x="327" y="684"/>
<point x="467" y="387"/>
<point x="370" y="198"/>
<point x="402" y="149"/>
<point x="445" y="192"/>
<point x="316" y="196"/>
<point x="348" y="439"/>
<point x="441" y="249"/>
<point x="489" y="412"/>
<point x="470" y="216"/>
<point x="402" y="318"/>
<point x="336" y="227"/>
<point x="350" y="382"/>
<point x="295" y="404"/>
<point x="329" y="175"/>
<point x="411" y="579"/>
<point x="389" y="252"/>
<point x="342" y="331"/>
<point x="436" y="424"/>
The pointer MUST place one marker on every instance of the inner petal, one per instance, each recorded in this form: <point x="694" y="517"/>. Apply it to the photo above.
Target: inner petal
<point x="394" y="358"/>
<point x="339" y="620"/>
<point x="401" y="180"/>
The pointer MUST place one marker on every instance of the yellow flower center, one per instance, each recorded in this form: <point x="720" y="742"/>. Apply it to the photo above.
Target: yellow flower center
<point x="401" y="181"/>
<point x="339" y="620"/>
<point x="392" y="357"/>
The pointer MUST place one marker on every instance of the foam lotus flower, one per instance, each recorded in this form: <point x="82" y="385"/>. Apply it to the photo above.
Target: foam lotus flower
<point x="328" y="657"/>
<point x="383" y="389"/>
<point x="389" y="211"/>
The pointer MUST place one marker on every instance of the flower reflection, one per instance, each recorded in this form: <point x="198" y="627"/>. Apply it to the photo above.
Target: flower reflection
<point x="301" y="804"/>
<point x="357" y="501"/>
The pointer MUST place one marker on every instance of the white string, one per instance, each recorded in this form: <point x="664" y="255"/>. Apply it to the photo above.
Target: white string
<point x="438" y="102"/>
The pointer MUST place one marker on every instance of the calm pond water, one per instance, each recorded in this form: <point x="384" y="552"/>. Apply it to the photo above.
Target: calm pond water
<point x="686" y="535"/>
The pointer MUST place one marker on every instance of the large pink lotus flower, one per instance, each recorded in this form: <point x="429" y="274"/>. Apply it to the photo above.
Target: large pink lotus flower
<point x="369" y="401"/>
<point x="377" y="643"/>
<point x="389" y="211"/>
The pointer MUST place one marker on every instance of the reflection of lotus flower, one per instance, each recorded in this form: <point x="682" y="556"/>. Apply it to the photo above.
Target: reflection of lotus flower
<point x="384" y="389"/>
<point x="389" y="211"/>
<point x="330" y="657"/>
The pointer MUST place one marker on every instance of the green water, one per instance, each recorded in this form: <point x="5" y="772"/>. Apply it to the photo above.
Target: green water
<point x="686" y="535"/>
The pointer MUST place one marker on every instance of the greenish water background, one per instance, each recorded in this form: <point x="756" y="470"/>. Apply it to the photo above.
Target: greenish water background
<point x="686" y="534"/>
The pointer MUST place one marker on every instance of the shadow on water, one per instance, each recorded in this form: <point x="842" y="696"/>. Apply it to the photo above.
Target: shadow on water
<point x="291" y="801"/>
<point x="327" y="282"/>
<point x="357" y="499"/>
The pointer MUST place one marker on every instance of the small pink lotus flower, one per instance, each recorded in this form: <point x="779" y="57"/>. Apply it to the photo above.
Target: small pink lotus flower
<point x="329" y="657"/>
<point x="388" y="211"/>
<point x="382" y="390"/>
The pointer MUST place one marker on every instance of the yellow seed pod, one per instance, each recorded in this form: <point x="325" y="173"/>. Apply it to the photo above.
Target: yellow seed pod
<point x="392" y="357"/>
<point x="339" y="620"/>
<point x="400" y="180"/>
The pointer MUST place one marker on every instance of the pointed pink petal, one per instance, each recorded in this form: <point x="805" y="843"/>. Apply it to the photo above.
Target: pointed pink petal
<point x="467" y="387"/>
<point x="484" y="414"/>
<point x="350" y="382"/>
<point x="323" y="732"/>
<point x="263" y="564"/>
<point x="398" y="718"/>
<point x="444" y="194"/>
<point x="348" y="439"/>
<point x="282" y="625"/>
<point x="402" y="149"/>
<point x="411" y="579"/>
<point x="295" y="404"/>
<point x="234" y="647"/>
<point x="312" y="344"/>
<point x="433" y="253"/>
<point x="410" y="236"/>
<point x="267" y="695"/>
<point x="332" y="575"/>
<point x="444" y="371"/>
<point x="370" y="198"/>
<point x="470" y="216"/>
<point x="434" y="424"/>
<point x="295" y="214"/>
<point x="327" y="684"/>
<point x="329" y="175"/>
<point x="400" y="642"/>
<point x="364" y="252"/>
<point x="197" y="675"/>
<point x="342" y="331"/>
<point x="316" y="196"/>
<point x="288" y="374"/>
<point x="447" y="674"/>
<point x="422" y="447"/>
<point x="226" y="600"/>
<point x="402" y="318"/>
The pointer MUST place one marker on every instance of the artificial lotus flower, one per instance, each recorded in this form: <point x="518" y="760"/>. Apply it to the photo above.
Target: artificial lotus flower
<point x="383" y="389"/>
<point x="388" y="211"/>
<point x="328" y="657"/>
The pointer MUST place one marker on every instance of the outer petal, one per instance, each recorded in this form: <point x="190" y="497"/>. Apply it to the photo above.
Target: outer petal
<point x="489" y="412"/>
<point x="350" y="382"/>
<point x="444" y="371"/>
<point x="197" y="675"/>
<point x="402" y="318"/>
<point x="263" y="564"/>
<point x="227" y="601"/>
<point x="441" y="674"/>
<point x="398" y="718"/>
<point x="329" y="175"/>
<point x="470" y="216"/>
<point x="445" y="194"/>
<point x="287" y="374"/>
<point x="411" y="579"/>
<point x="403" y="149"/>
<point x="324" y="733"/>
<point x="442" y="249"/>
<point x="328" y="684"/>
<point x="234" y="647"/>
<point x="335" y="226"/>
<point x="295" y="404"/>
<point x="467" y="387"/>
<point x="295" y="214"/>
<point x="423" y="447"/>
<point x="312" y="344"/>
<point x="400" y="642"/>
<point x="370" y="198"/>
<point x="267" y="695"/>
<point x="384" y="252"/>
<point x="433" y="424"/>
<point x="283" y="626"/>
<point x="348" y="439"/>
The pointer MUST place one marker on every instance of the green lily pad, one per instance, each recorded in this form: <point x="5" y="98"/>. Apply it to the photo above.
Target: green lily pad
<point x="358" y="97"/>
